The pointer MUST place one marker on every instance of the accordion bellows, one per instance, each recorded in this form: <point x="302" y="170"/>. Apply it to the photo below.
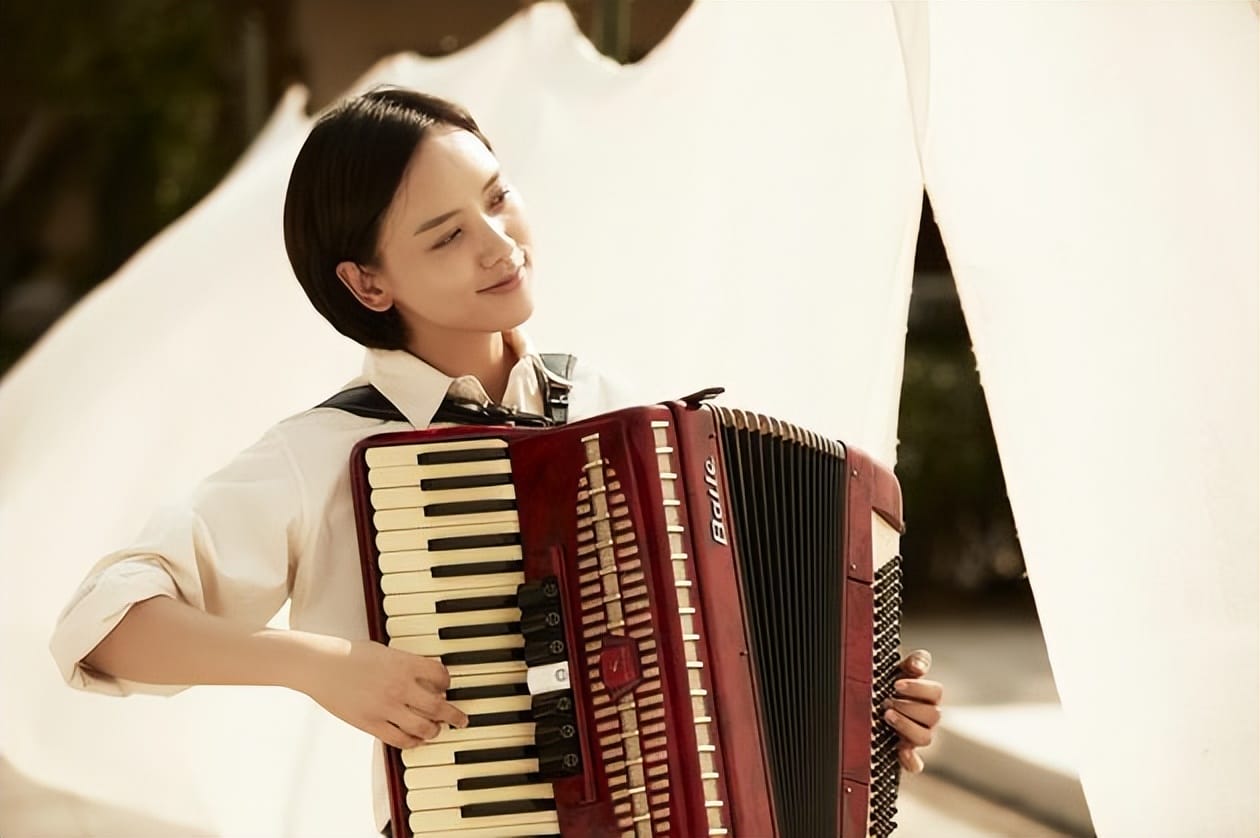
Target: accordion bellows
<point x="670" y="620"/>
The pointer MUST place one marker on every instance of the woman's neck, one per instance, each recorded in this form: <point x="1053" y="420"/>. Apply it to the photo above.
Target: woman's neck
<point x="484" y="355"/>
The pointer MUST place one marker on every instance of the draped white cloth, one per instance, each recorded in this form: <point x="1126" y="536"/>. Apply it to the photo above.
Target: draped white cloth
<point x="717" y="216"/>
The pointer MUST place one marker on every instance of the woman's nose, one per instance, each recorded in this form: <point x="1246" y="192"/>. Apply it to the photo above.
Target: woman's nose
<point x="499" y="244"/>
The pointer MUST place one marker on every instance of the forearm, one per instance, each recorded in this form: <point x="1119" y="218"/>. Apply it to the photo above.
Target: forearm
<point x="164" y="641"/>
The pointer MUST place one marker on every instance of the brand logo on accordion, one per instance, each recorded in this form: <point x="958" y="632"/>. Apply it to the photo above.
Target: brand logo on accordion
<point x="717" y="521"/>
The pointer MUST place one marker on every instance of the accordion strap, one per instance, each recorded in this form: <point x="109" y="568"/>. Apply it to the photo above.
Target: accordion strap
<point x="553" y="375"/>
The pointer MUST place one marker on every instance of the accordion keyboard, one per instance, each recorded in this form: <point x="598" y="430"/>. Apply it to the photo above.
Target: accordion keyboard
<point x="449" y="552"/>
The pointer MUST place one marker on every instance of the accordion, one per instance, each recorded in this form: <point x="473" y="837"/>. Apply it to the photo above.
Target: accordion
<point x="677" y="619"/>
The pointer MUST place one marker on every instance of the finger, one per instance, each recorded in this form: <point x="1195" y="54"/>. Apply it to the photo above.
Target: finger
<point x="928" y="715"/>
<point x="391" y="735"/>
<point x="444" y="711"/>
<point x="431" y="705"/>
<point x="910" y="731"/>
<point x="432" y="672"/>
<point x="414" y="724"/>
<point x="920" y="689"/>
<point x="917" y="663"/>
<point x="909" y="759"/>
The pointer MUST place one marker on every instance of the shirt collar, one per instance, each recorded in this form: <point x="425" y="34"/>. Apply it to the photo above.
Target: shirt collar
<point x="417" y="389"/>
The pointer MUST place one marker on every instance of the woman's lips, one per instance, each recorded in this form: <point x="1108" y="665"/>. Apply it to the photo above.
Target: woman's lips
<point x="509" y="283"/>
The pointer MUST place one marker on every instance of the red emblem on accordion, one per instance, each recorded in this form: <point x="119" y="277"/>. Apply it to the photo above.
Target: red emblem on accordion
<point x="619" y="666"/>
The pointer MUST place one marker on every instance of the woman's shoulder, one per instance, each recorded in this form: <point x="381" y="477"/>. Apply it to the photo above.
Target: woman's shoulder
<point x="322" y="437"/>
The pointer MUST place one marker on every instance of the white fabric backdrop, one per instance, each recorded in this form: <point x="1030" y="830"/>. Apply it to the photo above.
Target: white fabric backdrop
<point x="704" y="218"/>
<point x="1093" y="168"/>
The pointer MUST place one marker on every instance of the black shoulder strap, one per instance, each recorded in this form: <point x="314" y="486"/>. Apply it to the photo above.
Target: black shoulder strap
<point x="561" y="365"/>
<point x="557" y="370"/>
<point x="371" y="403"/>
<point x="365" y="401"/>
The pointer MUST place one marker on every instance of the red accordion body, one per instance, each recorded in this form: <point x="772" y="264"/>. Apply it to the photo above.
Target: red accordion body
<point x="669" y="620"/>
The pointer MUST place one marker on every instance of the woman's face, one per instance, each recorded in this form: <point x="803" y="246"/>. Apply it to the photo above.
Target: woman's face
<point x="455" y="249"/>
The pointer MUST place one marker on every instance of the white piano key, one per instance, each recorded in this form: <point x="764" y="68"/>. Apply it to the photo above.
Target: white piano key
<point x="521" y="733"/>
<point x="432" y="646"/>
<point x="412" y="518"/>
<point x="502" y="704"/>
<point x="419" y="539"/>
<point x="427" y="534"/>
<point x="414" y="560"/>
<point x="439" y="752"/>
<point x="438" y="776"/>
<point x="449" y="798"/>
<point x="455" y="670"/>
<point x="411" y="475"/>
<point x="448" y="822"/>
<point x="403" y="497"/>
<point x="392" y="455"/>
<point x="494" y="585"/>
<point x="417" y="624"/>
<point x="400" y="584"/>
<point x="493" y="680"/>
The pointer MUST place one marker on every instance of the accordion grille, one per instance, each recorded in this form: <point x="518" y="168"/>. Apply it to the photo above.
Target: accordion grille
<point x="885" y="775"/>
<point x="785" y="488"/>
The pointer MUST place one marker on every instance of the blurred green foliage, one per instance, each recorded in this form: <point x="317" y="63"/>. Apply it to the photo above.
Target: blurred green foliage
<point x="960" y="534"/>
<point x="120" y="116"/>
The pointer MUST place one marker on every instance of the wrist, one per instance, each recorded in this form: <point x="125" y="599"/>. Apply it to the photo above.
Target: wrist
<point x="302" y="657"/>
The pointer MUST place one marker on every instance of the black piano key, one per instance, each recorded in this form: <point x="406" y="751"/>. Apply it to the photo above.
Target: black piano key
<point x="505" y="717"/>
<point x="465" y="481"/>
<point x="482" y="656"/>
<point x="487" y="691"/>
<point x="478" y="755"/>
<point x="505" y="807"/>
<point x="456" y="605"/>
<point x="482" y="630"/>
<point x="468" y="507"/>
<point x="469" y="455"/>
<point x="447" y="571"/>
<point x="475" y="542"/>
<point x="497" y="781"/>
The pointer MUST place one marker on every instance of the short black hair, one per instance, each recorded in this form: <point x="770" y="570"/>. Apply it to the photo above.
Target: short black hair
<point x="343" y="181"/>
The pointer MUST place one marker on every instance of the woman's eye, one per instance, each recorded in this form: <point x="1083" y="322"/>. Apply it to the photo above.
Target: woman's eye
<point x="454" y="234"/>
<point x="500" y="197"/>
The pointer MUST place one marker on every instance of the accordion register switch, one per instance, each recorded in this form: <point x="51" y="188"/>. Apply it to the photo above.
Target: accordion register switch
<point x="555" y="731"/>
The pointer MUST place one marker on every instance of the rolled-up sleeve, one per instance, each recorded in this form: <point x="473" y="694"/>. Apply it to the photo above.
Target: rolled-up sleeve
<point x="228" y="550"/>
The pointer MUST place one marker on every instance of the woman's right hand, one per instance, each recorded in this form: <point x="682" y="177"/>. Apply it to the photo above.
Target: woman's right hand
<point x="396" y="696"/>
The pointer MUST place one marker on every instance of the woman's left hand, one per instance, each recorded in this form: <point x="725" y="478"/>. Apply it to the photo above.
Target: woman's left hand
<point x="914" y="710"/>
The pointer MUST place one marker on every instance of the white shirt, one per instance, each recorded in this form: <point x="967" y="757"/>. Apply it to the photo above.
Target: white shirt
<point x="277" y="523"/>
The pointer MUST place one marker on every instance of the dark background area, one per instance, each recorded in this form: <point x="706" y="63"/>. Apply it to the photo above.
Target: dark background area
<point x="122" y="115"/>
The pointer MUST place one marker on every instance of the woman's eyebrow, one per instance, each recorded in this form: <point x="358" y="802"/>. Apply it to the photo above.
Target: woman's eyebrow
<point x="434" y="222"/>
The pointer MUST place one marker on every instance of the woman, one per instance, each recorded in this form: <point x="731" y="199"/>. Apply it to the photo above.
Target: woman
<point x="408" y="239"/>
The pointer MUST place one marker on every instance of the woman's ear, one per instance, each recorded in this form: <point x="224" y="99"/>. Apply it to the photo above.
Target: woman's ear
<point x="365" y="286"/>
